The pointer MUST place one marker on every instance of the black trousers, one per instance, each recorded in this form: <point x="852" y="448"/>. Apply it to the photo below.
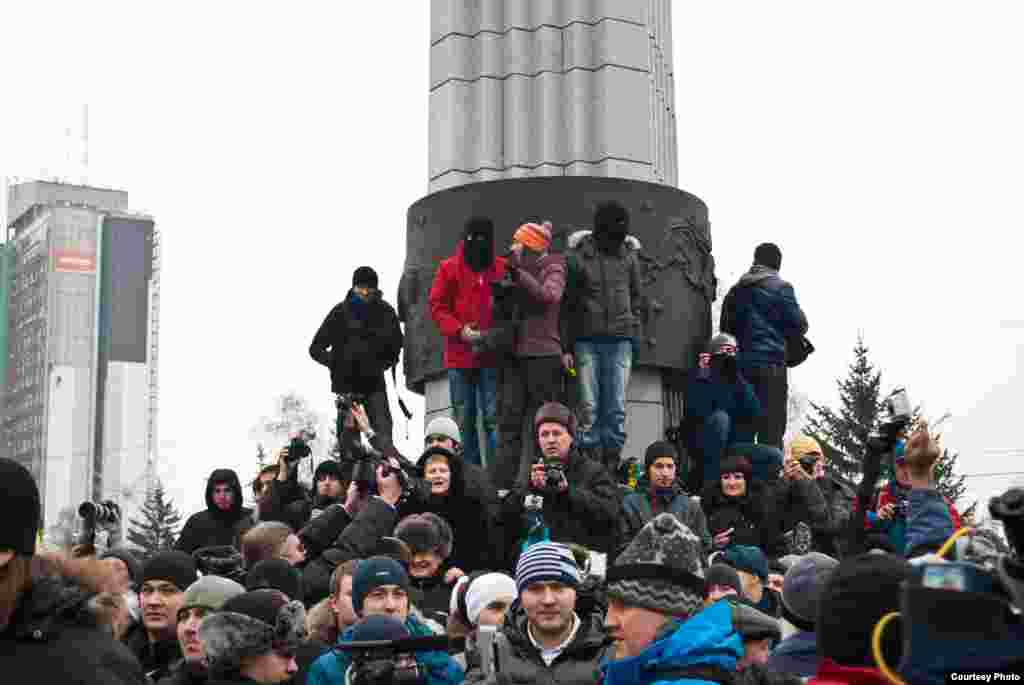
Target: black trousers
<point x="524" y="384"/>
<point x="378" y="411"/>
<point x="771" y="385"/>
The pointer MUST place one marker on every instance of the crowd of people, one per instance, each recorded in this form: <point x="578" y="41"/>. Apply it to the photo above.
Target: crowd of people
<point x="732" y="559"/>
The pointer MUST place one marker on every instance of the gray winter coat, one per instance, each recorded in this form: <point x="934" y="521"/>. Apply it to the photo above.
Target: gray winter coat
<point x="638" y="509"/>
<point x="519" y="661"/>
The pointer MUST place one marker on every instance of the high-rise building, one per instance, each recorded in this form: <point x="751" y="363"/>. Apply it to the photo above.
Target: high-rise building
<point x="81" y="296"/>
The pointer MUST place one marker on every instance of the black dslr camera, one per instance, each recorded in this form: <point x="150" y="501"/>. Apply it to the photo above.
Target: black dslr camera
<point x="99" y="513"/>
<point x="554" y="474"/>
<point x="963" y="616"/>
<point x="298" y="448"/>
<point x="383" y="662"/>
<point x="344" y="402"/>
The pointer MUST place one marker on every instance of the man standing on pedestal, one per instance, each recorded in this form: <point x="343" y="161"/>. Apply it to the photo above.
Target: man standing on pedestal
<point x="601" y="327"/>
<point x="762" y="312"/>
<point x="460" y="305"/>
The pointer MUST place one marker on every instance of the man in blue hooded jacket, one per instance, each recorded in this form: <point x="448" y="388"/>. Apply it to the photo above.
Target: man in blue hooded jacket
<point x="380" y="586"/>
<point x="656" y="617"/>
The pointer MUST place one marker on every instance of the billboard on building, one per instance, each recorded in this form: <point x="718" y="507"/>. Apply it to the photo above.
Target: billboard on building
<point x="127" y="271"/>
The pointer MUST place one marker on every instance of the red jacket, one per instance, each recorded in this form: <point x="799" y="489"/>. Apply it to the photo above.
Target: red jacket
<point x="831" y="673"/>
<point x="458" y="297"/>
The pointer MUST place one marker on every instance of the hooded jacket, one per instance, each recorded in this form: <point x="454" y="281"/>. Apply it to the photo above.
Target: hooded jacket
<point x="544" y="285"/>
<point x="52" y="637"/>
<point x="602" y="291"/>
<point x="520" y="661"/>
<point x="932" y="520"/>
<point x="365" y="340"/>
<point x="761" y="311"/>
<point x="587" y="513"/>
<point x="641" y="506"/>
<point x="706" y="639"/>
<point x="330" y="669"/>
<point x="470" y="509"/>
<point x="460" y="296"/>
<point x="213" y="527"/>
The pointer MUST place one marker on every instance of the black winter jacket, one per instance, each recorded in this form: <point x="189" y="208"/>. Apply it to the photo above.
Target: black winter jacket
<point x="470" y="508"/>
<point x="520" y="660"/>
<point x="213" y="527"/>
<point x="53" y="638"/>
<point x="183" y="674"/>
<point x="358" y="342"/>
<point x="158" y="661"/>
<point x="762" y="312"/>
<point x="586" y="514"/>
<point x="830" y="536"/>
<point x="602" y="292"/>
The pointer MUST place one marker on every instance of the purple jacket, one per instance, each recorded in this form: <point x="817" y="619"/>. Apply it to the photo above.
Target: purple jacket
<point x="543" y="284"/>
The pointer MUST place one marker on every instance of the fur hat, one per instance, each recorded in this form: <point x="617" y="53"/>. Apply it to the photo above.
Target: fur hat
<point x="251" y="624"/>
<point x="660" y="569"/>
<point x="768" y="254"/>
<point x="802" y="586"/>
<point x="443" y="425"/>
<point x="554" y="412"/>
<point x="174" y="567"/>
<point x="365" y="276"/>
<point x="20" y="511"/>
<point x="426" y="533"/>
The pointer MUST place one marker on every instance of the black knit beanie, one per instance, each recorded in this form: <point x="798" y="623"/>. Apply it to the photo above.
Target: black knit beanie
<point x="329" y="467"/>
<point x="659" y="449"/>
<point x="174" y="567"/>
<point x="275" y="574"/>
<point x="768" y="254"/>
<point x="724" y="575"/>
<point x="365" y="277"/>
<point x="19" y="509"/>
<point x="859" y="592"/>
<point x="735" y="464"/>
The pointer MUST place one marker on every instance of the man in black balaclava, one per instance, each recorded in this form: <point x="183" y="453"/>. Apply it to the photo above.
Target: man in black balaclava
<point x="461" y="306"/>
<point x="358" y="341"/>
<point x="600" y="328"/>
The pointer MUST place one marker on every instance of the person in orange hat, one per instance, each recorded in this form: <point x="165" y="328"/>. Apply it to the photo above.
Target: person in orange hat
<point x="533" y="375"/>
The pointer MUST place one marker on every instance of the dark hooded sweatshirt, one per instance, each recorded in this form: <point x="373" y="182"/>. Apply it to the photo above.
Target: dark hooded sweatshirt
<point x="213" y="527"/>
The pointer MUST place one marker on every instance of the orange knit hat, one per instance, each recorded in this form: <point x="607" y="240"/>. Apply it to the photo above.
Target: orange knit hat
<point x="537" y="237"/>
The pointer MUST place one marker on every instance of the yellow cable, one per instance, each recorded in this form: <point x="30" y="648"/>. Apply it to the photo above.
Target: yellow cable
<point x="948" y="544"/>
<point x="876" y="649"/>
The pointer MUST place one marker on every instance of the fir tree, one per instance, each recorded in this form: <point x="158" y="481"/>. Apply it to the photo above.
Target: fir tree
<point x="843" y="435"/>
<point x="159" y="528"/>
<point x="949" y="483"/>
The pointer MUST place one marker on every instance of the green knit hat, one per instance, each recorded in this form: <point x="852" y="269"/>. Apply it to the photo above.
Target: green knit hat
<point x="210" y="592"/>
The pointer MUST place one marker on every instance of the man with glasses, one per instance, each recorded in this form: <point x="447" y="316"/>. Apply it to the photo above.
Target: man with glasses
<point x="154" y="642"/>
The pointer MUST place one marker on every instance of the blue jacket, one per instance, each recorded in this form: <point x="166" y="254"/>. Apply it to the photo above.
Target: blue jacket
<point x="330" y="669"/>
<point x="928" y="521"/>
<point x="797" y="654"/>
<point x="707" y="638"/>
<point x="761" y="311"/>
<point x="707" y="392"/>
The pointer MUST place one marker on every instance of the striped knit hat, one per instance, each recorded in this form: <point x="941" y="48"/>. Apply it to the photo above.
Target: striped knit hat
<point x="660" y="569"/>
<point x="537" y="237"/>
<point x="546" y="562"/>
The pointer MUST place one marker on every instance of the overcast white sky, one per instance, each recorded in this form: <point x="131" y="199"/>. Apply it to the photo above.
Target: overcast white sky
<point x="879" y="144"/>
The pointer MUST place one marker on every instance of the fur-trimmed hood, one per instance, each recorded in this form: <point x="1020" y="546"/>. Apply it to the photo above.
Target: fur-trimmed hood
<point x="229" y="636"/>
<point x="574" y="239"/>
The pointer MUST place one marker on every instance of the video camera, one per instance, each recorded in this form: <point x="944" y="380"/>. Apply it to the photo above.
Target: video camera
<point x="896" y="417"/>
<point x="964" y="616"/>
<point x="100" y="513"/>
<point x="383" y="662"/>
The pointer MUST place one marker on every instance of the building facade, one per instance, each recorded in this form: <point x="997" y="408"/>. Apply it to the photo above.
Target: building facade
<point x="80" y="400"/>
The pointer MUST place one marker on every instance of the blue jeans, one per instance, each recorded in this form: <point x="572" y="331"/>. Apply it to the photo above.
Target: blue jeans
<point x="475" y="392"/>
<point x="718" y="438"/>
<point x="603" y="370"/>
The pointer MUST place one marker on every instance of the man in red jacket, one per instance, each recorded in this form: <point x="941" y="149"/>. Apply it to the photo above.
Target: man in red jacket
<point x="460" y="305"/>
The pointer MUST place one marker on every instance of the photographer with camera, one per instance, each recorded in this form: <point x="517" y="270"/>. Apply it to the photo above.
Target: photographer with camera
<point x="380" y="587"/>
<point x="828" y="534"/>
<point x="225" y="519"/>
<point x="358" y="341"/>
<point x="565" y="497"/>
<point x="719" y="403"/>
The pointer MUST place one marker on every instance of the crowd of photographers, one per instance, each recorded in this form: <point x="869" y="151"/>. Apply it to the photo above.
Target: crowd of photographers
<point x="521" y="545"/>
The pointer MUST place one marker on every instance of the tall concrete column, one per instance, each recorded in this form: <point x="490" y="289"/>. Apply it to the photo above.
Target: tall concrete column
<point x="554" y="89"/>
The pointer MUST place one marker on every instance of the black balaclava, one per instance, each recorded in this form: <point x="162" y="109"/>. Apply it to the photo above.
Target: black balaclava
<point x="611" y="225"/>
<point x="478" y="244"/>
